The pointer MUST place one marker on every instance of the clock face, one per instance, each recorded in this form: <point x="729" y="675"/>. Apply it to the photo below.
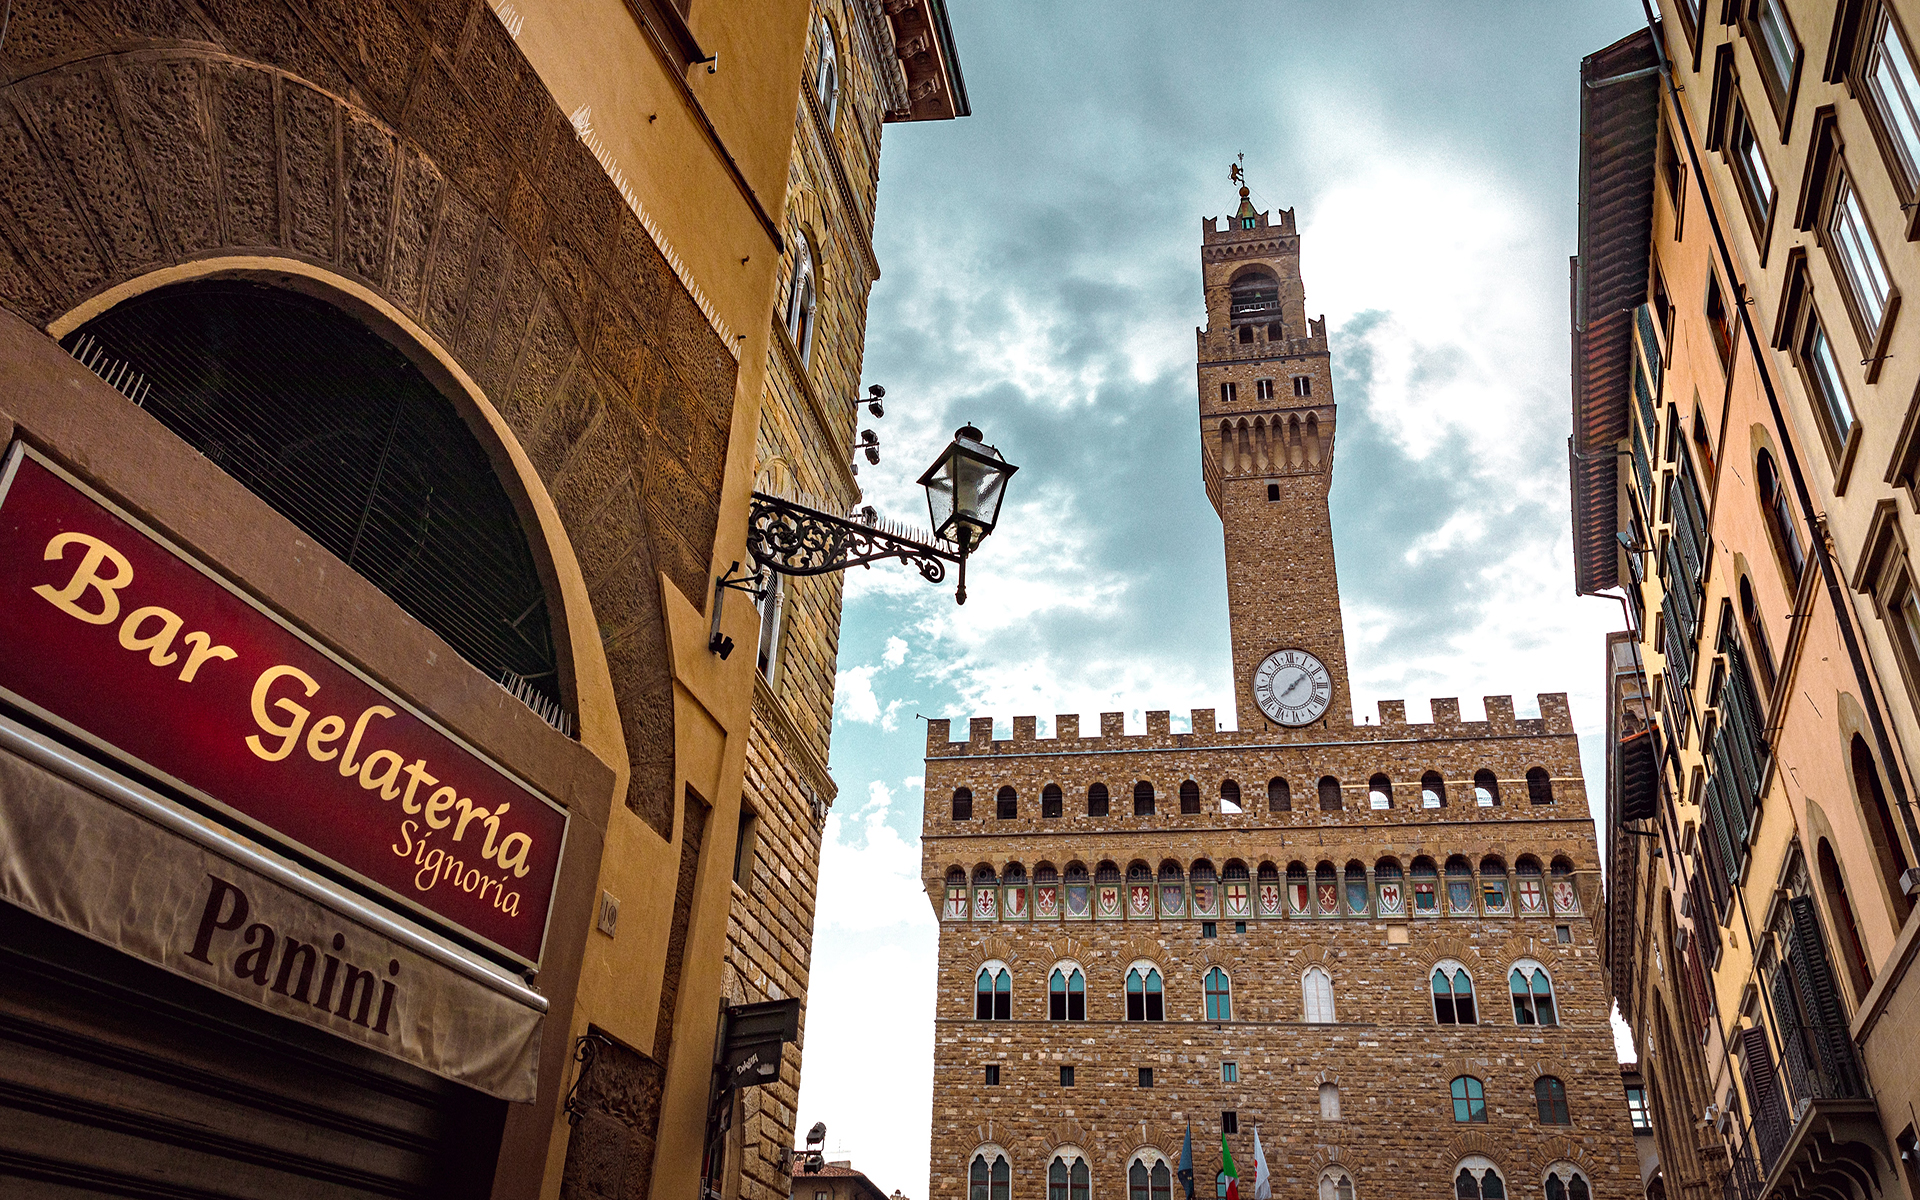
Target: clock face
<point x="1292" y="687"/>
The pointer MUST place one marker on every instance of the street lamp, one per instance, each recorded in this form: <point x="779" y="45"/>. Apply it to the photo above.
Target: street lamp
<point x="965" y="488"/>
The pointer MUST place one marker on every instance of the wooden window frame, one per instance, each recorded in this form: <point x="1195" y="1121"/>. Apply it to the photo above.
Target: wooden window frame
<point x="1884" y="573"/>
<point x="1780" y="92"/>
<point x="1856" y="24"/>
<point x="1794" y="325"/>
<point x="1827" y="168"/>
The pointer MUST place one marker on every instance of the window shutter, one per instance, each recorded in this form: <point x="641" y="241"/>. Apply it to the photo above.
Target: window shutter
<point x="1793" y="1032"/>
<point x="1820" y="1002"/>
<point x="1639" y="777"/>
<point x="1697" y="990"/>
<point x="1727" y="849"/>
<point x="1770" y="1122"/>
<point x="1704" y="927"/>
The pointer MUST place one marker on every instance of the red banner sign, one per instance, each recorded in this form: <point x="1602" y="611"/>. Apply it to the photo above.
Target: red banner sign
<point x="120" y="637"/>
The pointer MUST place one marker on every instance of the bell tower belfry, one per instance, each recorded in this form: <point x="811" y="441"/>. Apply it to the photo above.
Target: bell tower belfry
<point x="1267" y="426"/>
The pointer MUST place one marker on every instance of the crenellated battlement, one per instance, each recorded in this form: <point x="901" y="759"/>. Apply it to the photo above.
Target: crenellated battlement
<point x="1555" y="720"/>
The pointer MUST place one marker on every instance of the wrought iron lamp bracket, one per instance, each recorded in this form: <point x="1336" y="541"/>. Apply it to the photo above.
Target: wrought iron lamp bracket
<point x="798" y="539"/>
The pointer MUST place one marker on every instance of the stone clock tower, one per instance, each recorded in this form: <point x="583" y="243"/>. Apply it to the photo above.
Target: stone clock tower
<point x="1266" y="435"/>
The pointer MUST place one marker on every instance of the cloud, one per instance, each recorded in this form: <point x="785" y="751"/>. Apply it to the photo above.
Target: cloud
<point x="896" y="652"/>
<point x="853" y="696"/>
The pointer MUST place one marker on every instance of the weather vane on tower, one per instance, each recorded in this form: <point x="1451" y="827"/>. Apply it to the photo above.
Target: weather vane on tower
<point x="1237" y="172"/>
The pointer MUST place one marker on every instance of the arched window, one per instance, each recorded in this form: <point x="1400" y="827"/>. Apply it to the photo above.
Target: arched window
<point x="1050" y="800"/>
<point x="993" y="993"/>
<point x="1143" y="799"/>
<point x="1478" y="1179"/>
<point x="1097" y="800"/>
<point x="1255" y="294"/>
<point x="1268" y="890"/>
<point x="1356" y="882"/>
<point x="1453" y="994"/>
<point x="1550" y="1098"/>
<point x="986" y="894"/>
<point x="1469" y="1100"/>
<point x="963" y="804"/>
<point x="1330" y="1102"/>
<point x="1756" y="632"/>
<point x="1067" y="1176"/>
<point x="1539" y="786"/>
<point x="826" y="78"/>
<point x="1229" y="796"/>
<point x="1299" y="890"/>
<point x="1775" y="507"/>
<point x="1891" y="856"/>
<point x="1566" y="1182"/>
<point x="1493" y="885"/>
<point x="1006" y="805"/>
<point x="1149" y="1178"/>
<point x="1532" y="899"/>
<point x="1046" y="891"/>
<point x="989" y="1178"/>
<point x="1330" y="794"/>
<point x="1279" y="795"/>
<point x="1388" y="884"/>
<point x="1107" y="891"/>
<point x="1433" y="790"/>
<point x="957" y="904"/>
<point x="1532" y="991"/>
<point x="1316" y="996"/>
<point x="1067" y="993"/>
<point x="337" y="429"/>
<point x="1486" y="789"/>
<point x="1379" y="792"/>
<point x="1426" y="884"/>
<point x="1219" y="996"/>
<point x="1833" y="886"/>
<point x="1326" y="890"/>
<point x="1276" y="332"/>
<point x="1189" y="797"/>
<point x="1145" y="999"/>
<point x="801" y="298"/>
<point x="1459" y="886"/>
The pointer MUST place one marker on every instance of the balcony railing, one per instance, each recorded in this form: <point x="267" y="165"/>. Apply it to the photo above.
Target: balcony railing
<point x="1255" y="304"/>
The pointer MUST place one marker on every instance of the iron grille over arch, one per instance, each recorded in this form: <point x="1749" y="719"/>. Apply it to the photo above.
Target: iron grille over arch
<point x="331" y="424"/>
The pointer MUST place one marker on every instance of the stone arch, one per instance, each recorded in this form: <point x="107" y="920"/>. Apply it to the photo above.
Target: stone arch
<point x="995" y="949"/>
<point x="1450" y="945"/>
<point x="363" y="156"/>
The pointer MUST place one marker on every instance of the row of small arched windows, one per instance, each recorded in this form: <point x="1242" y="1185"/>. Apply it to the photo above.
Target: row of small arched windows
<point x="1425" y="888"/>
<point x="1529" y="987"/>
<point x="1330" y="793"/>
<point x="1150" y="1176"/>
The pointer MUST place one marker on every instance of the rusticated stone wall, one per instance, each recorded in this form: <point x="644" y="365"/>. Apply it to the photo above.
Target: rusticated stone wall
<point x="407" y="146"/>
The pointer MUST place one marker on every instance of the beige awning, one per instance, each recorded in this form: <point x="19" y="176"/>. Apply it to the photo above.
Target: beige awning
<point x="96" y="852"/>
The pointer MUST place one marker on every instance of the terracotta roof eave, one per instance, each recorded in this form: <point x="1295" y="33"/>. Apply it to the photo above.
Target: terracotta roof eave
<point x="1619" y="121"/>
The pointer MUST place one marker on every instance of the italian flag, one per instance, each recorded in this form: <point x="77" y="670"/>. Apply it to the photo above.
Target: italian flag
<point x="1227" y="1169"/>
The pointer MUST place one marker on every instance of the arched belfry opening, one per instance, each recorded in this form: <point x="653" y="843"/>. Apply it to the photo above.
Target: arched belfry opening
<point x="1254" y="296"/>
<point x="334" y="426"/>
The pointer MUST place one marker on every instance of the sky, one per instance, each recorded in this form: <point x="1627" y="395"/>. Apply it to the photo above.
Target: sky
<point x="1042" y="281"/>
